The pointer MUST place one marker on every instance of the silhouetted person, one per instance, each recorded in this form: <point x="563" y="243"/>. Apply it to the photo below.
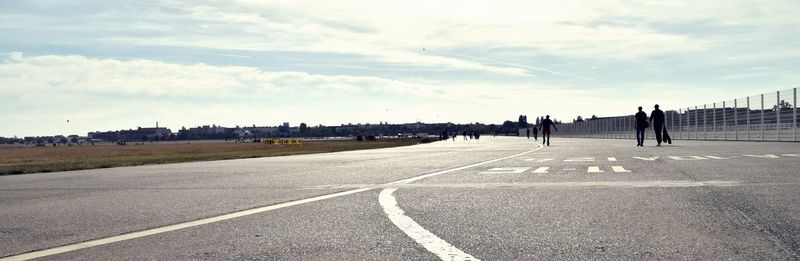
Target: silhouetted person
<point x="546" y="124"/>
<point x="465" y="135"/>
<point x="657" y="120"/>
<point x="477" y="135"/>
<point x="528" y="131"/>
<point x="641" y="124"/>
<point x="535" y="133"/>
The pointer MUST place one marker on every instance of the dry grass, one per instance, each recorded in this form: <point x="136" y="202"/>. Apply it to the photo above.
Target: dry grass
<point x="49" y="159"/>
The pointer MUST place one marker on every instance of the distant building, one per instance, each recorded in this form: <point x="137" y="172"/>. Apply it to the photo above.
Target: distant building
<point x="139" y="134"/>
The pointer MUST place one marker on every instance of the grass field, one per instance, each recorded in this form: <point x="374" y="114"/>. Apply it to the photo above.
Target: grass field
<point x="49" y="159"/>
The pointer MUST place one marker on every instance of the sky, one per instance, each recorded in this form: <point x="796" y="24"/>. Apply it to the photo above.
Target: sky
<point x="70" y="67"/>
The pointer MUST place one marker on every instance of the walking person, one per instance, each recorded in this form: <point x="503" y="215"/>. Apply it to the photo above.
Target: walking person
<point x="641" y="125"/>
<point x="535" y="133"/>
<point x="528" y="131"/>
<point x="546" y="124"/>
<point x="657" y="120"/>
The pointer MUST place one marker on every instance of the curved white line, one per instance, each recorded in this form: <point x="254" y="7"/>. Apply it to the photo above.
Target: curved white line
<point x="428" y="240"/>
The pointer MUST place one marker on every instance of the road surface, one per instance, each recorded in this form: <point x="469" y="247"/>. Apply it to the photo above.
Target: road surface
<point x="494" y="199"/>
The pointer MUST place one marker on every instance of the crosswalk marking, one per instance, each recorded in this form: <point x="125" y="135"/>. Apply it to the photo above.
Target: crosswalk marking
<point x="584" y="159"/>
<point x="646" y="158"/>
<point x="594" y="170"/>
<point x="541" y="170"/>
<point x="686" y="158"/>
<point x="620" y="169"/>
<point x="506" y="170"/>
<point x="538" y="160"/>
<point x="612" y="159"/>
<point x="765" y="156"/>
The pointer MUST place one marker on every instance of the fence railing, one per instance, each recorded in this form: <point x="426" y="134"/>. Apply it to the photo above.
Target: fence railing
<point x="765" y="117"/>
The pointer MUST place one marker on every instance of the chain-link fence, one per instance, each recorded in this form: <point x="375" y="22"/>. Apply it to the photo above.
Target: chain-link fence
<point x="765" y="117"/>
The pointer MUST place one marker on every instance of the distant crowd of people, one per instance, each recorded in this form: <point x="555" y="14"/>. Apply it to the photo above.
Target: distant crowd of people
<point x="642" y="122"/>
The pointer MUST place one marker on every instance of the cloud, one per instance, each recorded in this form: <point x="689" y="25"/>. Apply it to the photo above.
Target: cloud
<point x="80" y="74"/>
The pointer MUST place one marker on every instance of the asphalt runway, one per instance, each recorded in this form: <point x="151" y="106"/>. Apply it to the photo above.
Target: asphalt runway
<point x="493" y="199"/>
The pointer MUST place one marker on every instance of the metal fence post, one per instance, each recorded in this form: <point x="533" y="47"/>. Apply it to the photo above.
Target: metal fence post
<point x="705" y="116"/>
<point x="778" y="117"/>
<point x="762" y="117"/>
<point x="724" y="118"/>
<point x="714" y="118"/>
<point x="736" y="125"/>
<point x="748" y="117"/>
<point x="794" y="116"/>
<point x="696" y="122"/>
<point x="679" y="124"/>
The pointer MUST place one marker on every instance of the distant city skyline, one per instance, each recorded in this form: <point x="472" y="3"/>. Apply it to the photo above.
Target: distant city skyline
<point x="115" y="65"/>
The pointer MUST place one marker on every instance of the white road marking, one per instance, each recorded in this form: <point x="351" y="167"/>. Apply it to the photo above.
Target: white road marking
<point x="765" y="156"/>
<point x="409" y="180"/>
<point x="715" y="157"/>
<point x="790" y="155"/>
<point x="538" y="160"/>
<point x="646" y="158"/>
<point x="612" y="159"/>
<point x="594" y="170"/>
<point x="506" y="170"/>
<point x="154" y="231"/>
<point x="687" y="158"/>
<point x="584" y="159"/>
<point x="431" y="242"/>
<point x="620" y="169"/>
<point x="571" y="169"/>
<point x="586" y="184"/>
<point x="428" y="240"/>
<point x="541" y="170"/>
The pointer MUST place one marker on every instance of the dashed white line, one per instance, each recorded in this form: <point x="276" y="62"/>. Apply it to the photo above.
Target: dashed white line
<point x="422" y="236"/>
<point x="687" y="158"/>
<point x="620" y="169"/>
<point x="541" y="170"/>
<point x="594" y="170"/>
<point x="584" y="159"/>
<point x="506" y="170"/>
<point x="765" y="156"/>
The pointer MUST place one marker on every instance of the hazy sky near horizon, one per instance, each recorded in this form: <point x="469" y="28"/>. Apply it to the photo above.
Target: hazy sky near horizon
<point x="107" y="65"/>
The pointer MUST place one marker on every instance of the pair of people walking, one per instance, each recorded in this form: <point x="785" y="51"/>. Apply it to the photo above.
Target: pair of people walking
<point x="657" y="120"/>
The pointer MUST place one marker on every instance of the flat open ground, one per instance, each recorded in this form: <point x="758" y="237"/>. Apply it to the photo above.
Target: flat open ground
<point x="63" y="158"/>
<point x="493" y="199"/>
